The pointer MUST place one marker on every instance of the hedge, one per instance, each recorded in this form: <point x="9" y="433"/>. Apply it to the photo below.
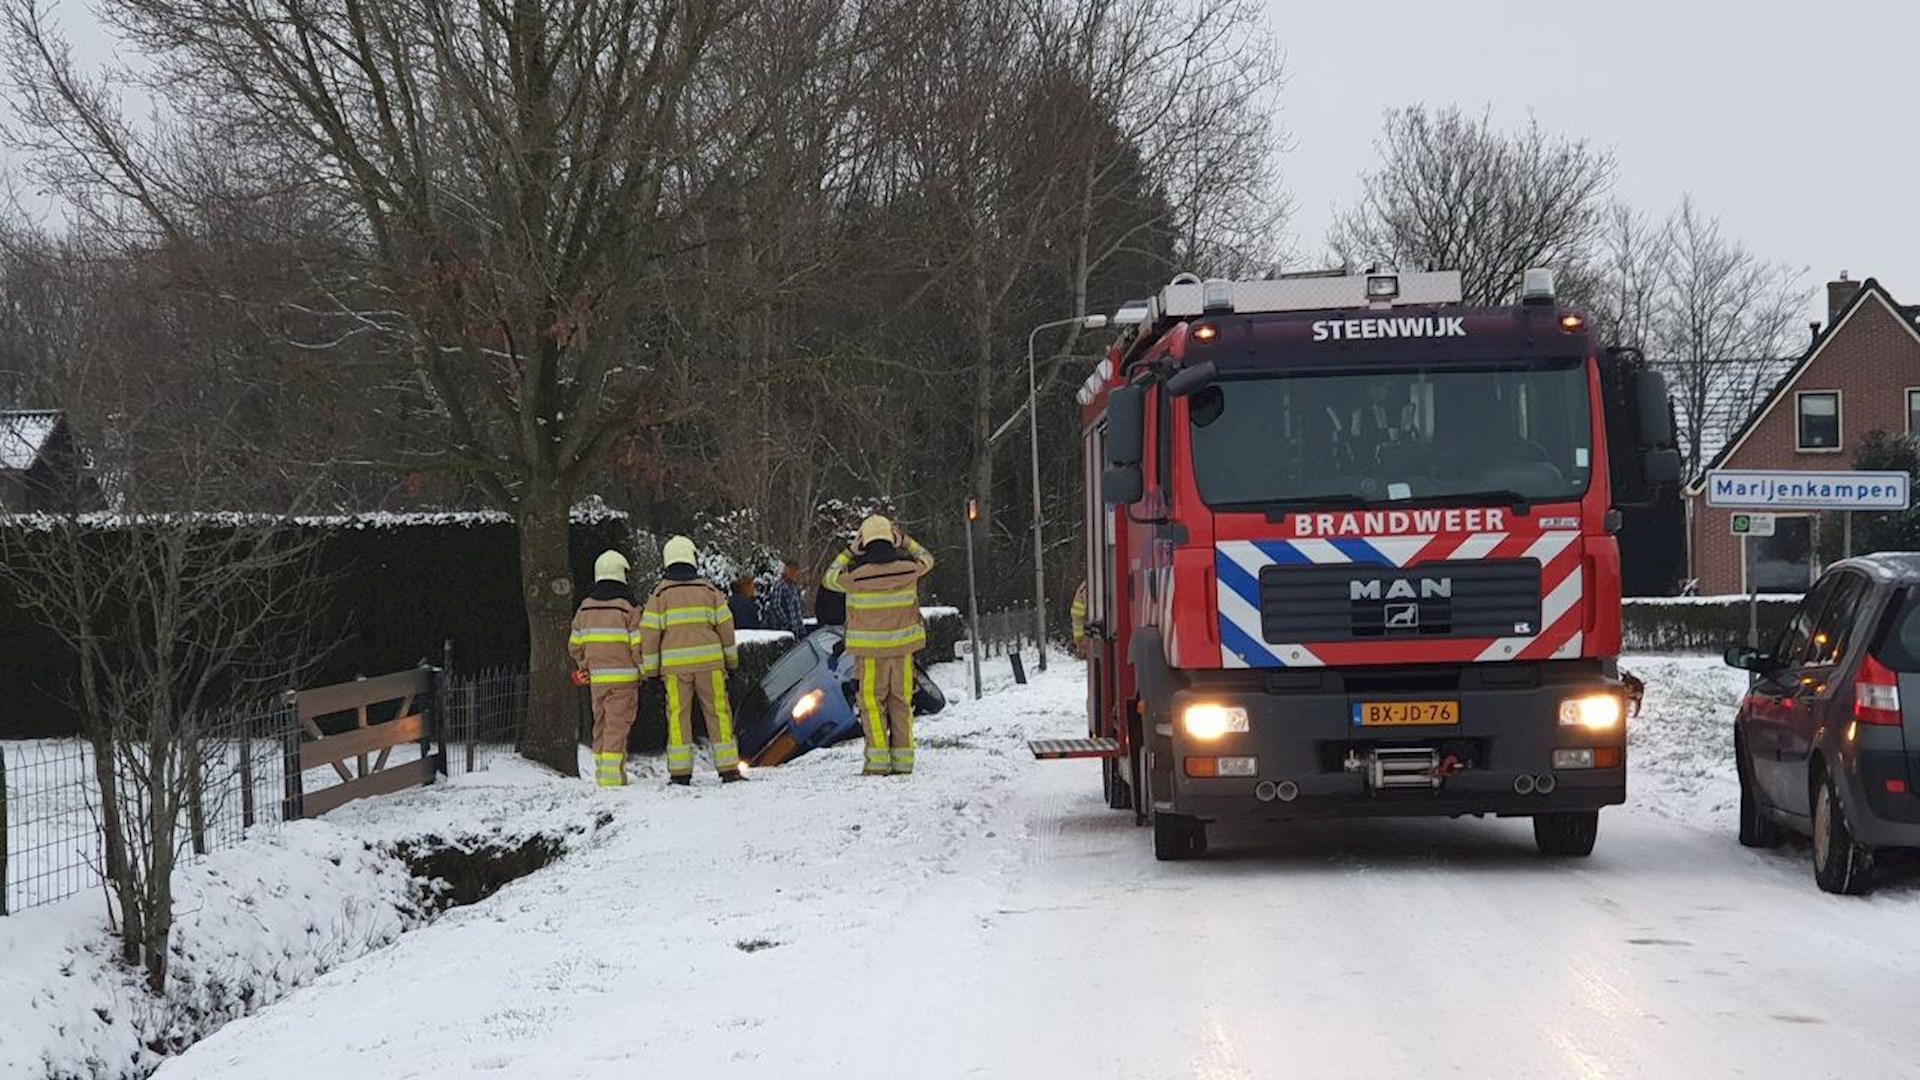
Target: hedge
<point x="1698" y="623"/>
<point x="407" y="583"/>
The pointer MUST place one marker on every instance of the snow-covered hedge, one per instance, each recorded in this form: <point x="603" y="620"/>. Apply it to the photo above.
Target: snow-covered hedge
<point x="1697" y="623"/>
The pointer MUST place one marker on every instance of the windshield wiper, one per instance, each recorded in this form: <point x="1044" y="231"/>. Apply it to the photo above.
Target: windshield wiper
<point x="1521" y="504"/>
<point x="1343" y="500"/>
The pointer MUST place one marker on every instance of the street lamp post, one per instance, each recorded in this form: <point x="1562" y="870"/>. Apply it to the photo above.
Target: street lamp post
<point x="1085" y="322"/>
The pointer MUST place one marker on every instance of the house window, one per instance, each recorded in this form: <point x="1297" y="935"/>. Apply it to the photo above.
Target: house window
<point x="1819" y="420"/>
<point x="1913" y="411"/>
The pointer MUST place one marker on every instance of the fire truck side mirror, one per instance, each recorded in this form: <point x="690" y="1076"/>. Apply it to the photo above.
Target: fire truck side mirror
<point x="1126" y="426"/>
<point x="1662" y="467"/>
<point x="1122" y="486"/>
<point x="1653" y="419"/>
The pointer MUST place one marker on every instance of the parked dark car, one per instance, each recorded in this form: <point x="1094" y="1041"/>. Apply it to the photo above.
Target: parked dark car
<point x="810" y="694"/>
<point x="1827" y="741"/>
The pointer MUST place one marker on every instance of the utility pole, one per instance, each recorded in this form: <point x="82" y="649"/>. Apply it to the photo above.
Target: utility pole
<point x="1085" y="322"/>
<point x="973" y="599"/>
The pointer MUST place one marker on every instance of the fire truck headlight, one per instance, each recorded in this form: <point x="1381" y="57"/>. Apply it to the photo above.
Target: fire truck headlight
<point x="1382" y="287"/>
<point x="1595" y="712"/>
<point x="1207" y="721"/>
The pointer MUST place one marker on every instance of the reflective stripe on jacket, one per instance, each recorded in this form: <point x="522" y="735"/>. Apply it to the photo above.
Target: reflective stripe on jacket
<point x="1078" y="613"/>
<point x="606" y="640"/>
<point x="883" y="601"/>
<point x="686" y="628"/>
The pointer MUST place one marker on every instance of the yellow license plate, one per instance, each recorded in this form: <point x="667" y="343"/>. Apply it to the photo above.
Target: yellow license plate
<point x="1406" y="713"/>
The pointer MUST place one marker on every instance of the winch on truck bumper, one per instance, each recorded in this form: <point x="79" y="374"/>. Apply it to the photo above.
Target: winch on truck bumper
<point x="1353" y="744"/>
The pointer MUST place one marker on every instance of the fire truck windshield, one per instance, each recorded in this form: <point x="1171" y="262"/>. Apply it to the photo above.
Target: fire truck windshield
<point x="1518" y="431"/>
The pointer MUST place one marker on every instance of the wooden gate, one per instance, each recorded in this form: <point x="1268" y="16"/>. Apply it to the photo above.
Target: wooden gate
<point x="409" y="696"/>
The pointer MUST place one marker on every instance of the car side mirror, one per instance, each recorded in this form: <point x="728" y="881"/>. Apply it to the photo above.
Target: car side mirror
<point x="1748" y="658"/>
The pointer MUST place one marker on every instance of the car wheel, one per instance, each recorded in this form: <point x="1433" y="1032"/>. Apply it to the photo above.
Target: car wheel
<point x="1840" y="865"/>
<point x="1757" y="830"/>
<point x="1566" y="835"/>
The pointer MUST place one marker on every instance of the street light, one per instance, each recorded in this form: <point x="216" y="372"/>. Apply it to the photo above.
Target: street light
<point x="1084" y="322"/>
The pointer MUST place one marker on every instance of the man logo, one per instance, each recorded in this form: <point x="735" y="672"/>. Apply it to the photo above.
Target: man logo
<point x="1400" y="588"/>
<point x="1402" y="616"/>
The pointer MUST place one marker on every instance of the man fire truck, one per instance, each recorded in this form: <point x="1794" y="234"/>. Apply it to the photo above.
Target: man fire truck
<point x="1351" y="553"/>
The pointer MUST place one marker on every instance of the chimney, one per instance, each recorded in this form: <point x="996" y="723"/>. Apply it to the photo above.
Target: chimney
<point x="1839" y="295"/>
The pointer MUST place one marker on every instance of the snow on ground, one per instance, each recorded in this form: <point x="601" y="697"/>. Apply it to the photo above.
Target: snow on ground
<point x="989" y="917"/>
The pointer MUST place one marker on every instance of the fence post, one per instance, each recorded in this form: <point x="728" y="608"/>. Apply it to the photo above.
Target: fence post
<point x="196" y="784"/>
<point x="3" y="831"/>
<point x="441" y="698"/>
<point x="473" y="720"/>
<point x="246" y="769"/>
<point x="293" y="804"/>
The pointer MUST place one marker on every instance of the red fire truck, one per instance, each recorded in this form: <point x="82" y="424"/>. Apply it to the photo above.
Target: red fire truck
<point x="1351" y="553"/>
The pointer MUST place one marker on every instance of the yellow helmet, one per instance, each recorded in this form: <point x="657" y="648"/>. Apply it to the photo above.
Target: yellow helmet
<point x="679" y="550"/>
<point x="610" y="566"/>
<point x="875" y="528"/>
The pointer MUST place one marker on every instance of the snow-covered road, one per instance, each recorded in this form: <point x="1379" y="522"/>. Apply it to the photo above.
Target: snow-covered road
<point x="989" y="917"/>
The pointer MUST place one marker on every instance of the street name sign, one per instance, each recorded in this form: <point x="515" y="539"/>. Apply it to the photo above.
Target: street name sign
<point x="1766" y="489"/>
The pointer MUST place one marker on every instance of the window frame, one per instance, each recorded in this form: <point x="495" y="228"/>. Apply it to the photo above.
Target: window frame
<point x="1839" y="422"/>
<point x="1853" y="590"/>
<point x="1911" y="391"/>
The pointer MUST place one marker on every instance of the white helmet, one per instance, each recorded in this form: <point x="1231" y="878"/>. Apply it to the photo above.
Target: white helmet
<point x="610" y="566"/>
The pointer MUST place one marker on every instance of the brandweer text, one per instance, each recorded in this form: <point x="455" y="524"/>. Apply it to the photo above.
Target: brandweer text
<point x="1389" y="522"/>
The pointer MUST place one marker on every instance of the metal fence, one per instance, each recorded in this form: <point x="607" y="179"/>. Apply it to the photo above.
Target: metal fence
<point x="1007" y="631"/>
<point x="50" y="808"/>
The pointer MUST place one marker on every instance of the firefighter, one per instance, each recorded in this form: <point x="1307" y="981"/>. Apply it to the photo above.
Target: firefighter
<point x="880" y="576"/>
<point x="1078" y="614"/>
<point x="605" y="645"/>
<point x="686" y="638"/>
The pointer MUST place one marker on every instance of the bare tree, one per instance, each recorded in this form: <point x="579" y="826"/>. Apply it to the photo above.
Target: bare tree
<point x="504" y="178"/>
<point x="169" y="611"/>
<point x="1724" y="320"/>
<point x="1453" y="193"/>
<point x="1620" y="288"/>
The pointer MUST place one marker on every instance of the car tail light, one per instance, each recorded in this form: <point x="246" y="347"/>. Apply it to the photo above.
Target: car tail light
<point x="1876" y="694"/>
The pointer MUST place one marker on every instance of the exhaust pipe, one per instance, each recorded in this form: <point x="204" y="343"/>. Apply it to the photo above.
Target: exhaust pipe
<point x="1546" y="784"/>
<point x="1265" y="791"/>
<point x="1288" y="791"/>
<point x="1523" y="784"/>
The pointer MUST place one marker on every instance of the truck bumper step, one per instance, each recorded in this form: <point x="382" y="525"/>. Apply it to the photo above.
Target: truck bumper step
<point x="1052" y="749"/>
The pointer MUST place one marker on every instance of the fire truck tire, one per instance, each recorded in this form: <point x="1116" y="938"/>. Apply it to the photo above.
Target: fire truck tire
<point x="1566" y="835"/>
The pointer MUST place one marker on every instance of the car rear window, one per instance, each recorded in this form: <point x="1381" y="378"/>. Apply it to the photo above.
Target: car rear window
<point x="1897" y="645"/>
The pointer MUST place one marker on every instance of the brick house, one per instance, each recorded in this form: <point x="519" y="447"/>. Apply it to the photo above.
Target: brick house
<point x="41" y="467"/>
<point x="1860" y="374"/>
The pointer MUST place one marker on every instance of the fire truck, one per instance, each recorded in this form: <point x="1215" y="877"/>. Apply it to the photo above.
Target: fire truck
<point x="1351" y="552"/>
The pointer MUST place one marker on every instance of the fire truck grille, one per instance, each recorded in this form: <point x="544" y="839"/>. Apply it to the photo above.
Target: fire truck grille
<point x="1356" y="603"/>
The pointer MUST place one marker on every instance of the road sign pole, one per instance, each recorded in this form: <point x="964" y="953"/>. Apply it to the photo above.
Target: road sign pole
<point x="973" y="601"/>
<point x="1846" y="534"/>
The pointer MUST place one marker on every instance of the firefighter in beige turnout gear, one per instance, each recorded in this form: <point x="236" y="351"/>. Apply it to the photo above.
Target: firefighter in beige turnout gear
<point x="880" y="576"/>
<point x="686" y="638"/>
<point x="605" y="644"/>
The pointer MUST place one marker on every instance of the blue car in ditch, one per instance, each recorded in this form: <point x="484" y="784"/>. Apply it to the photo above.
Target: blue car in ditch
<point x="810" y="694"/>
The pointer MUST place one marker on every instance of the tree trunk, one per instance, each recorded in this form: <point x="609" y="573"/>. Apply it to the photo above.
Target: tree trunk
<point x="550" y="733"/>
<point x="982" y="403"/>
<point x="113" y="843"/>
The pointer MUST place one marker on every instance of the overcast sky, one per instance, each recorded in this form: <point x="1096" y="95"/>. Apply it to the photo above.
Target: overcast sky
<point x="1797" y="123"/>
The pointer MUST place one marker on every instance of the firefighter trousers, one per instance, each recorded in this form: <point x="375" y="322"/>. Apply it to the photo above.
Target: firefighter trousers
<point x="710" y="689"/>
<point x="615" y="707"/>
<point x="886" y="708"/>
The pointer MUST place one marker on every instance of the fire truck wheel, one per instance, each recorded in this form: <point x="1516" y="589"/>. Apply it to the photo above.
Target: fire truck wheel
<point x="1119" y="794"/>
<point x="1569" y="834"/>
